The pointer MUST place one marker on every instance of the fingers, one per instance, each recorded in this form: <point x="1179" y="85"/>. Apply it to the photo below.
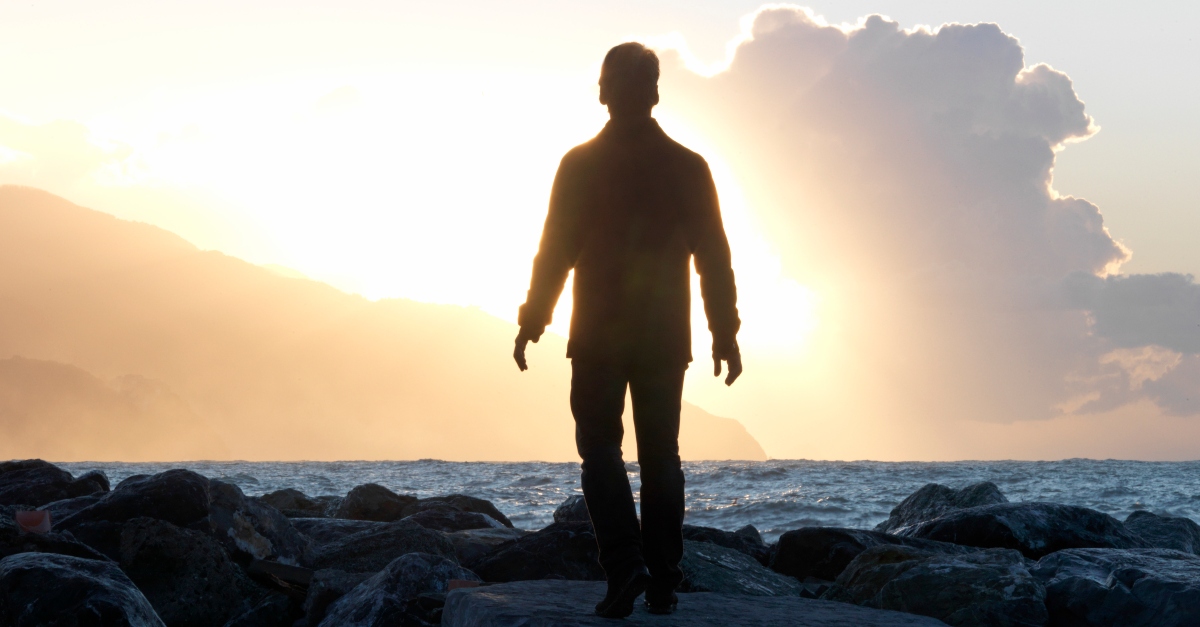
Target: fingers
<point x="519" y="354"/>
<point x="716" y="366"/>
<point x="735" y="369"/>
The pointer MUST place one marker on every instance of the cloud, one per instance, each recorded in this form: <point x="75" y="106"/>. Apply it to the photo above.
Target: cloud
<point x="907" y="176"/>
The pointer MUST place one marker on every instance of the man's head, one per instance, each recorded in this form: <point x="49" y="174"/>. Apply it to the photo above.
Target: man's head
<point x="629" y="80"/>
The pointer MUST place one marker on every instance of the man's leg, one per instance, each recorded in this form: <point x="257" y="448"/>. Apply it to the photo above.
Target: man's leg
<point x="597" y="401"/>
<point x="657" y="393"/>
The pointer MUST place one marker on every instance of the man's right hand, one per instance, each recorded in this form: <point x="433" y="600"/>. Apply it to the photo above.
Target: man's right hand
<point x="731" y="355"/>
<point x="524" y="337"/>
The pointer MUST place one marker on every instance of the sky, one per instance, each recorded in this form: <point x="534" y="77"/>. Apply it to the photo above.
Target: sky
<point x="944" y="248"/>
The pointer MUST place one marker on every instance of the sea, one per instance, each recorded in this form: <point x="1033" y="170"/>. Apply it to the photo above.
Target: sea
<point x="774" y="496"/>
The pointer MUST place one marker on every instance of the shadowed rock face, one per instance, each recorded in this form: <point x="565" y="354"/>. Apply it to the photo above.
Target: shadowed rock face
<point x="454" y="520"/>
<point x="373" y="502"/>
<point x="250" y="529"/>
<point x="322" y="531"/>
<point x="988" y="587"/>
<point x="561" y="551"/>
<point x="574" y="509"/>
<point x="296" y="504"/>
<point x="472" y="544"/>
<point x="1131" y="588"/>
<point x="328" y="586"/>
<point x="371" y="550"/>
<point x="460" y="502"/>
<point x="393" y="596"/>
<point x="708" y="567"/>
<point x="745" y="540"/>
<point x="933" y="500"/>
<point x="35" y="483"/>
<point x="13" y="540"/>
<point x="1165" y="532"/>
<point x="1034" y="529"/>
<point x="46" y="589"/>
<point x="824" y="552"/>
<point x="179" y="497"/>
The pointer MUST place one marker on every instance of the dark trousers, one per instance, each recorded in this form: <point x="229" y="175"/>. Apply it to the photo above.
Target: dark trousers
<point x="597" y="401"/>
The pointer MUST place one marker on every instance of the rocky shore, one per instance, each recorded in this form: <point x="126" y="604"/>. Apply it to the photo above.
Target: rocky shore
<point x="177" y="548"/>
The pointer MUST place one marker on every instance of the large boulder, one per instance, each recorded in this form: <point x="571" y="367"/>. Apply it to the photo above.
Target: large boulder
<point x="934" y="500"/>
<point x="44" y="589"/>
<point x="454" y="520"/>
<point x="822" y="553"/>
<point x="296" y="504"/>
<point x="1034" y="529"/>
<point x="393" y="596"/>
<point x="372" y="501"/>
<point x="709" y="567"/>
<point x="1126" y="588"/>
<point x="988" y="587"/>
<point x="35" y="482"/>
<point x="746" y="540"/>
<point x="250" y="529"/>
<point x="574" y="509"/>
<point x="559" y="551"/>
<point x="472" y="544"/>
<point x="185" y="574"/>
<point x="325" y="587"/>
<point x="64" y="508"/>
<point x="275" y="610"/>
<point x="179" y="497"/>
<point x="14" y="540"/>
<point x="322" y="531"/>
<point x="1165" y="532"/>
<point x="373" y="549"/>
<point x="460" y="502"/>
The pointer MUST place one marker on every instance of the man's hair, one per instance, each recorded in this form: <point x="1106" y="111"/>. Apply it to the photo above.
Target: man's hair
<point x="630" y="73"/>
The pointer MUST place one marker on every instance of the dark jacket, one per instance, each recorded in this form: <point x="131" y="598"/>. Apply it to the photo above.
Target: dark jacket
<point x="628" y="210"/>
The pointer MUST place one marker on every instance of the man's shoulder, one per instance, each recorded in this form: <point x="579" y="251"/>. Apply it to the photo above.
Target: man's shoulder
<point x="683" y="154"/>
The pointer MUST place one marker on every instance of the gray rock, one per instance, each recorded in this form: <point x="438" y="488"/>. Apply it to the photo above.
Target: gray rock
<point x="574" y="509"/>
<point x="988" y="587"/>
<point x="372" y="501"/>
<point x="179" y="497"/>
<point x="454" y="520"/>
<point x="1126" y="588"/>
<point x="709" y="567"/>
<point x="391" y="597"/>
<point x="472" y="544"/>
<point x="253" y="529"/>
<point x="746" y="540"/>
<point x="570" y="604"/>
<point x="328" y="586"/>
<point x="560" y="551"/>
<point x="64" y="508"/>
<point x="822" y="553"/>
<point x="322" y="531"/>
<point x="1034" y="529"/>
<point x="933" y="500"/>
<point x="44" y="589"/>
<point x="373" y="549"/>
<point x="13" y="540"/>
<point x="1165" y="532"/>
<point x="462" y="503"/>
<point x="296" y="504"/>
<point x="185" y="574"/>
<point x="34" y="482"/>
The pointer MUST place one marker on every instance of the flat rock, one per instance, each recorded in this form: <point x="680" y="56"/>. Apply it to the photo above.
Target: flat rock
<point x="1129" y="588"/>
<point x="372" y="550"/>
<point x="64" y="508"/>
<point x="1165" y="532"/>
<point x="1034" y="529"/>
<point x="556" y="603"/>
<point x="372" y="501"/>
<point x="35" y="482"/>
<point x="392" y="596"/>
<point x="710" y="567"/>
<point x="987" y="587"/>
<point x="472" y="544"/>
<point x="559" y="551"/>
<point x="325" y="530"/>
<point x="824" y="552"/>
<point x="745" y="540"/>
<point x="934" y="500"/>
<point x="454" y="520"/>
<point x="43" y="589"/>
<point x="462" y="503"/>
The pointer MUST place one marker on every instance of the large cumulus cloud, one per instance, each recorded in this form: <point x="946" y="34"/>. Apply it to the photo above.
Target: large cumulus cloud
<point x="908" y="175"/>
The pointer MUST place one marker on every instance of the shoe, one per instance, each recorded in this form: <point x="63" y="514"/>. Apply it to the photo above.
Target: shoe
<point x="622" y="592"/>
<point x="661" y="602"/>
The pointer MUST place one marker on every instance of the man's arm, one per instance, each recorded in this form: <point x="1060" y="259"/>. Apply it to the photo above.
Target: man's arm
<point x="717" y="286"/>
<point x="555" y="258"/>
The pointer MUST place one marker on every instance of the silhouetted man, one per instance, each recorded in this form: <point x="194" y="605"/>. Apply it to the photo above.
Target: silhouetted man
<point x="628" y="211"/>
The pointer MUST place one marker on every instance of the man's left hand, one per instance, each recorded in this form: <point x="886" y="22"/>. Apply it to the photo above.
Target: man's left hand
<point x="734" y="360"/>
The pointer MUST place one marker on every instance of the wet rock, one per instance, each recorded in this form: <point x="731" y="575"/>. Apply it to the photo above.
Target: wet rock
<point x="45" y="589"/>
<point x="709" y="567"/>
<point x="1129" y="588"/>
<point x="987" y="587"/>
<point x="179" y="497"/>
<point x="460" y="502"/>
<point x="472" y="544"/>
<point x="1034" y="529"/>
<point x="373" y="549"/>
<point x="185" y="574"/>
<point x="328" y="586"/>
<point x="574" y="509"/>
<point x="1165" y="532"/>
<point x="64" y="508"/>
<point x="251" y="529"/>
<point x="822" y="553"/>
<point x="34" y="482"/>
<point x="560" y="551"/>
<point x="322" y="531"/>
<point x="296" y="504"/>
<point x="570" y="603"/>
<point x="746" y="540"/>
<point x="934" y="500"/>
<point x="391" y="597"/>
<point x="101" y="535"/>
<point x="454" y="520"/>
<point x="13" y="540"/>
<point x="373" y="502"/>
<point x="275" y="610"/>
